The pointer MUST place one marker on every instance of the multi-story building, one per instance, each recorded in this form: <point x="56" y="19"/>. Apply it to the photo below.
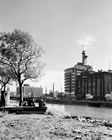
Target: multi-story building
<point x="84" y="83"/>
<point x="30" y="91"/>
<point x="71" y="74"/>
<point x="69" y="80"/>
<point x="97" y="84"/>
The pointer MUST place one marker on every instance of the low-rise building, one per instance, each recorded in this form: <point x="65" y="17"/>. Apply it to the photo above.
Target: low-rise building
<point x="30" y="91"/>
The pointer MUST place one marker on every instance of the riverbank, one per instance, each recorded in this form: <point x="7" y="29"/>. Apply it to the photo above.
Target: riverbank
<point x="53" y="126"/>
<point x="105" y="104"/>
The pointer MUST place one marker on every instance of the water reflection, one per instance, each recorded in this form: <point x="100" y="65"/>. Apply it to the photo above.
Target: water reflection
<point x="59" y="108"/>
<point x="101" y="113"/>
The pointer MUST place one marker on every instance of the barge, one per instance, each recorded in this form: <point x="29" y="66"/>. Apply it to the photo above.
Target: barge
<point x="107" y="104"/>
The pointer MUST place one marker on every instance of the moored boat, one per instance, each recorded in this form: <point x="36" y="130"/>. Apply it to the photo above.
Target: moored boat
<point x="94" y="103"/>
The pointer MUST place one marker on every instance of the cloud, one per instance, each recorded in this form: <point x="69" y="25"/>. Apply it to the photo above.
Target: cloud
<point x="87" y="41"/>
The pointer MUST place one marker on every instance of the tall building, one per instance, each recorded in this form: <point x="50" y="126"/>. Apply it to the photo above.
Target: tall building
<point x="70" y="74"/>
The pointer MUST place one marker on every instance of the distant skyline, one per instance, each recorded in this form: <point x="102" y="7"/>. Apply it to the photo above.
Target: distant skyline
<point x="63" y="28"/>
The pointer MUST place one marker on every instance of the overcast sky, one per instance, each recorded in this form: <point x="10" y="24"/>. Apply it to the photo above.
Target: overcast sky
<point x="61" y="27"/>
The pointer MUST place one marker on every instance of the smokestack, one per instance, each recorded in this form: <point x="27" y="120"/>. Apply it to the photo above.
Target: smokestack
<point x="45" y="90"/>
<point x="53" y="87"/>
<point x="84" y="58"/>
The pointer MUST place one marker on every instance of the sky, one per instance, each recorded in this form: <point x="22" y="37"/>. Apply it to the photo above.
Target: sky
<point x="63" y="28"/>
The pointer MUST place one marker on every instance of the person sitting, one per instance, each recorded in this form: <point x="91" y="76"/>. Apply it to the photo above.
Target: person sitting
<point x="25" y="103"/>
<point x="31" y="102"/>
<point x="41" y="103"/>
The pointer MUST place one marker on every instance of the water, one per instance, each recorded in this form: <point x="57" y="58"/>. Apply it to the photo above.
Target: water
<point x="97" y="112"/>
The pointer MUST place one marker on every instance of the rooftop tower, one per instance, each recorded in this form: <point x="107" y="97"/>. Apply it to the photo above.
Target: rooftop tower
<point x="84" y="58"/>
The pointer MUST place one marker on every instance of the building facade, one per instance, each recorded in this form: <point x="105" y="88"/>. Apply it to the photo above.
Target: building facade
<point x="30" y="91"/>
<point x="96" y="84"/>
<point x="70" y="74"/>
<point x="69" y="78"/>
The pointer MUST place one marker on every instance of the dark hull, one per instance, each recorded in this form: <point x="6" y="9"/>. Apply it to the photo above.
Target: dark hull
<point x="94" y="104"/>
<point x="24" y="110"/>
<point x="66" y="102"/>
<point x="105" y="104"/>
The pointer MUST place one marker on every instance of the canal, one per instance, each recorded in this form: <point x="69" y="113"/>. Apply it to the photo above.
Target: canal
<point x="97" y="112"/>
<point x="79" y="110"/>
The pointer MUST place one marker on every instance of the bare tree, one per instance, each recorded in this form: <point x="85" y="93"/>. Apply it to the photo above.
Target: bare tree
<point x="19" y="52"/>
<point x="5" y="77"/>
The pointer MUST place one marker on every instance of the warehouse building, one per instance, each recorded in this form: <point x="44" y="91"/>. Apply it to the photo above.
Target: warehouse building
<point x="97" y="84"/>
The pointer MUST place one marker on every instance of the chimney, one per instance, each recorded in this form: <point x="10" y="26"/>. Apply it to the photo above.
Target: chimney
<point x="53" y="87"/>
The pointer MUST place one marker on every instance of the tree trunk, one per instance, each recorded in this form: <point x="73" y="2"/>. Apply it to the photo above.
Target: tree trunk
<point x="21" y="94"/>
<point x="2" y="98"/>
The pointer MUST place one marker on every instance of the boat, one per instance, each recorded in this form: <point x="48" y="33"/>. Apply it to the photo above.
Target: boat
<point x="76" y="102"/>
<point x="24" y="110"/>
<point x="94" y="103"/>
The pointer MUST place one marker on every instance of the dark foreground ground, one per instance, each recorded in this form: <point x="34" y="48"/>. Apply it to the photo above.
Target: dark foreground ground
<point x="53" y="126"/>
